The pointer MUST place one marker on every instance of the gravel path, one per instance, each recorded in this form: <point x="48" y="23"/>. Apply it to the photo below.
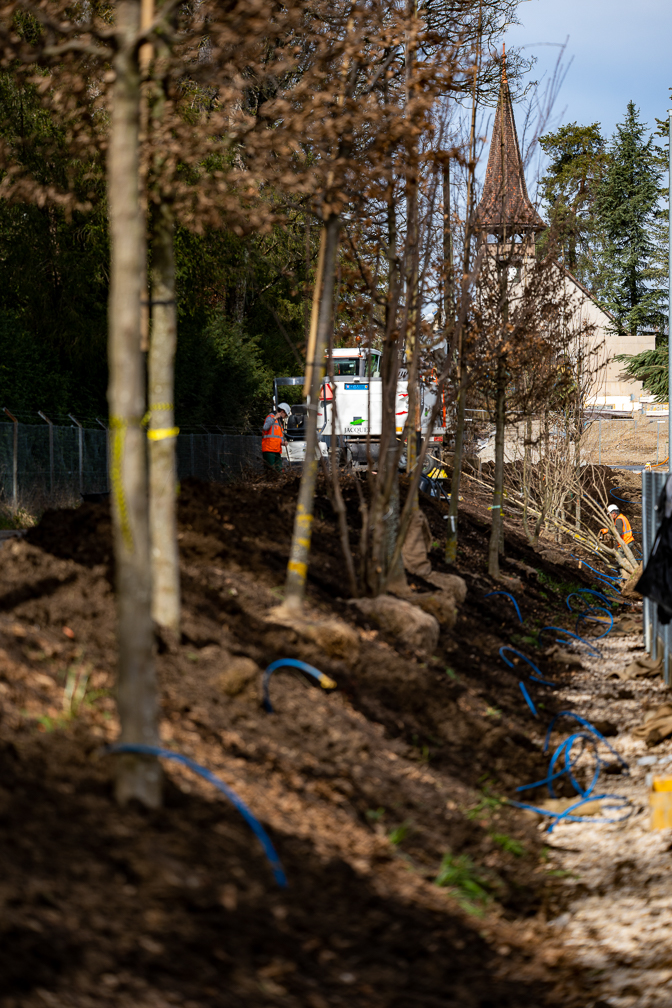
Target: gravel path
<point x="617" y="892"/>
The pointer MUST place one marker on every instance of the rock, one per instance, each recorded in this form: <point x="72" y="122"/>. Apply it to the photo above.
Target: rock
<point x="407" y="622"/>
<point x="334" y="637"/>
<point x="438" y="604"/>
<point x="557" y="654"/>
<point x="452" y="584"/>
<point x="511" y="581"/>
<point x="239" y="673"/>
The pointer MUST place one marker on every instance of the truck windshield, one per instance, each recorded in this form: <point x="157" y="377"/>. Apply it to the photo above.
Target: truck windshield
<point x="346" y="366"/>
<point x="373" y="366"/>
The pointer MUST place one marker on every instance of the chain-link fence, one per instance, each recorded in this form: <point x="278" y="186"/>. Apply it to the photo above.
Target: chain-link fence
<point x="49" y="465"/>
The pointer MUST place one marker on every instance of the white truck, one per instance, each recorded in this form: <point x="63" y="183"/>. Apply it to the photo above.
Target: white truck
<point x="356" y="392"/>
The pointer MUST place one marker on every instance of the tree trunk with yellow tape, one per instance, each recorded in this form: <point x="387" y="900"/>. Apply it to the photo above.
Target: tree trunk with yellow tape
<point x="137" y="776"/>
<point x="297" y="568"/>
<point x="162" y="432"/>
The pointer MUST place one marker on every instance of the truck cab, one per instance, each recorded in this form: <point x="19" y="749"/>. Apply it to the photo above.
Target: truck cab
<point x="350" y="405"/>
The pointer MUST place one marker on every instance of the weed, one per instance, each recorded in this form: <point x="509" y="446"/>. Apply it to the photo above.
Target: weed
<point x="76" y="681"/>
<point x="508" y="844"/>
<point x="561" y="873"/>
<point x="19" y="519"/>
<point x="460" y="875"/>
<point x="373" y="815"/>
<point x="493" y="712"/>
<point x="451" y="673"/>
<point x="400" y="833"/>
<point x="520" y="640"/>
<point x="486" y="804"/>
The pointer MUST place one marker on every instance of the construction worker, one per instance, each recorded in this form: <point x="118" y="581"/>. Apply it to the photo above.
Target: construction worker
<point x="623" y="528"/>
<point x="273" y="437"/>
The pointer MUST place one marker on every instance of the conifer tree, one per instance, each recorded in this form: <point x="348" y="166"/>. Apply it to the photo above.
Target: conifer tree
<point x="570" y="188"/>
<point x="626" y="214"/>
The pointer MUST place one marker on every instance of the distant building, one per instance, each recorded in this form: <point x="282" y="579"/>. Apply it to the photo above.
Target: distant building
<point x="506" y="214"/>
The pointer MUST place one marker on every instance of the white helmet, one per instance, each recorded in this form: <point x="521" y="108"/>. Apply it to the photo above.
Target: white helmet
<point x="286" y="407"/>
<point x="612" y="508"/>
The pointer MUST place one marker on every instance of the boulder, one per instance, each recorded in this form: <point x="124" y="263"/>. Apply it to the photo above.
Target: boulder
<point x="440" y="604"/>
<point x="410" y="624"/>
<point x="451" y="584"/>
<point x="238" y="674"/>
<point x="334" y="637"/>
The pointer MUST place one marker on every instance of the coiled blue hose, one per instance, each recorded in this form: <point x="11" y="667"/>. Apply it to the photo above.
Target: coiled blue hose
<point x="590" y="727"/>
<point x="324" y="680"/>
<point x="238" y="803"/>
<point x="508" y="595"/>
<point x="586" y="615"/>
<point x="587" y="591"/>
<point x="537" y="678"/>
<point x="589" y="736"/>
<point x="570" y="634"/>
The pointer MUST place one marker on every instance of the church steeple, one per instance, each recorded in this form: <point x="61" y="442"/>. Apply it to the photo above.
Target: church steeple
<point x="505" y="208"/>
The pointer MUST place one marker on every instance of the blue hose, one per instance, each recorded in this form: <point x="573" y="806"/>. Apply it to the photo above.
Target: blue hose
<point x="622" y="499"/>
<point x="490" y="594"/>
<point x="587" y="591"/>
<point x="528" y="699"/>
<point x="615" y="801"/>
<point x="587" y="616"/>
<point x="324" y="680"/>
<point x="570" y="634"/>
<point x="590" y="727"/>
<point x="537" y="678"/>
<point x="591" y="735"/>
<point x="250" y="819"/>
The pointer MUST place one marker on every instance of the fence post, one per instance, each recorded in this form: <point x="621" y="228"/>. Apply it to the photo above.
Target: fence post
<point x="15" y="459"/>
<point x="51" y="450"/>
<point x="81" y="452"/>
<point x="107" y="450"/>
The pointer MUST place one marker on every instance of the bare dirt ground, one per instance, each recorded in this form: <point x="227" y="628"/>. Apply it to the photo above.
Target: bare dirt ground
<point x="609" y="442"/>
<point x="364" y="791"/>
<point x="626" y="442"/>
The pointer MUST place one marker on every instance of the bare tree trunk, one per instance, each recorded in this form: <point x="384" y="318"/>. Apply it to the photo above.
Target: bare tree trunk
<point x="162" y="432"/>
<point x="526" y="480"/>
<point x="297" y="568"/>
<point x="498" y="494"/>
<point x="450" y="555"/>
<point x="138" y="777"/>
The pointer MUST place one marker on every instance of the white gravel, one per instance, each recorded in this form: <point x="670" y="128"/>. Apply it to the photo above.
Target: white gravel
<point x="618" y="917"/>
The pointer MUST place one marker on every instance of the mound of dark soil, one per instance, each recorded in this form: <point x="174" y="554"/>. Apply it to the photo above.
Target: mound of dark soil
<point x="363" y="790"/>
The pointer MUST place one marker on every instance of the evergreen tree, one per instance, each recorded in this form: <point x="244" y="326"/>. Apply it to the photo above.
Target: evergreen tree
<point x="627" y="216"/>
<point x="569" y="188"/>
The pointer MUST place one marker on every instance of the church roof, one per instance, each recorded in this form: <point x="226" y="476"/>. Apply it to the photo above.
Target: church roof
<point x="505" y="205"/>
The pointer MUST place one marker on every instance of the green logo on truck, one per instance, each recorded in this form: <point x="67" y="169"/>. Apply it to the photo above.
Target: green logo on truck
<point x="356" y="421"/>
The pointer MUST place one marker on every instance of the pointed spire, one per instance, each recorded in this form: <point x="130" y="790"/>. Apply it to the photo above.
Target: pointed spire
<point x="505" y="207"/>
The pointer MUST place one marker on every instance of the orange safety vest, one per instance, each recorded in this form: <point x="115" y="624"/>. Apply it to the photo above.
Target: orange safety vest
<point x="627" y="536"/>
<point x="272" y="440"/>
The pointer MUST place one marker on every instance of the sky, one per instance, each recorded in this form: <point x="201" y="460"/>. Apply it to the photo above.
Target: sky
<point x="621" y="49"/>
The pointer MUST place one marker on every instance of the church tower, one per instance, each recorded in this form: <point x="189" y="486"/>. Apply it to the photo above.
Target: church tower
<point x="505" y="210"/>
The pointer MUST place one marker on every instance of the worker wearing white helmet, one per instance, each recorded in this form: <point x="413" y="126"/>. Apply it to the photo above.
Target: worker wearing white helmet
<point x="622" y="524"/>
<point x="273" y="437"/>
